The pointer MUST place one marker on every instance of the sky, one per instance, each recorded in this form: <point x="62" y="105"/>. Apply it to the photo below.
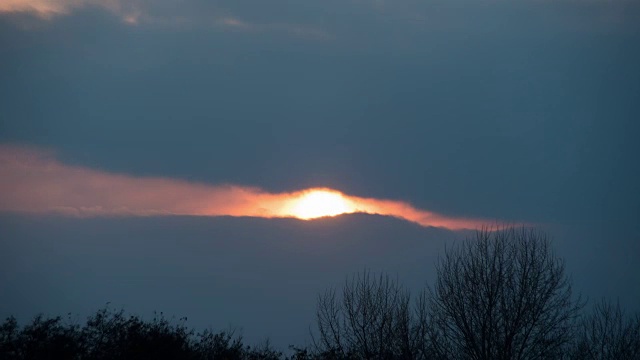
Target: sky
<point x="154" y="154"/>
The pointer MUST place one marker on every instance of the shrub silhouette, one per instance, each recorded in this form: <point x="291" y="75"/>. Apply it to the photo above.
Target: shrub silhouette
<point x="42" y="339"/>
<point x="111" y="334"/>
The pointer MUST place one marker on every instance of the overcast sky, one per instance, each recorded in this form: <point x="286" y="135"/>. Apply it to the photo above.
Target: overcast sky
<point x="523" y="112"/>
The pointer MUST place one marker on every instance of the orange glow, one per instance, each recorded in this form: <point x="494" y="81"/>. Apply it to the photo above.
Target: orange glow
<point x="33" y="181"/>
<point x="319" y="203"/>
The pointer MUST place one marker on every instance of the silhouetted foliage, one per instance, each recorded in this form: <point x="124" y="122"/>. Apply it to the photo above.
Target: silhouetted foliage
<point x="222" y="345"/>
<point x="9" y="338"/>
<point x="113" y="335"/>
<point x="607" y="334"/>
<point x="371" y="319"/>
<point x="262" y="352"/>
<point x="42" y="339"/>
<point x="502" y="295"/>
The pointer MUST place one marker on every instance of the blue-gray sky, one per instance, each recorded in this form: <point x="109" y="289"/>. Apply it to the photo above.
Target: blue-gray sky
<point x="515" y="111"/>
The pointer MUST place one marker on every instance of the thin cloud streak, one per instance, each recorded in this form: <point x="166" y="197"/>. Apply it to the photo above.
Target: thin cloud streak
<point x="128" y="11"/>
<point x="34" y="181"/>
<point x="134" y="12"/>
<point x="294" y="30"/>
<point x="300" y="20"/>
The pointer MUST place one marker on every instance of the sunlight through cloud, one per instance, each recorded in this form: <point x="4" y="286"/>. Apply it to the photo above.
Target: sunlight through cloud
<point x="34" y="181"/>
<point x="319" y="203"/>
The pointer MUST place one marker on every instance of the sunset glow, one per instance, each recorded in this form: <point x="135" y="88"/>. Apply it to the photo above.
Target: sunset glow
<point x="34" y="181"/>
<point x="319" y="203"/>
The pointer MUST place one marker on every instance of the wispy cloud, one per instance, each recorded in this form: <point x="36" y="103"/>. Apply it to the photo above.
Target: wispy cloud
<point x="332" y="19"/>
<point x="34" y="181"/>
<point x="134" y="12"/>
<point x="294" y="30"/>
<point x="128" y="11"/>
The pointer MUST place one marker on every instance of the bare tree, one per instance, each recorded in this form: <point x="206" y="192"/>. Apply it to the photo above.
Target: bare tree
<point x="607" y="334"/>
<point x="502" y="295"/>
<point x="371" y="319"/>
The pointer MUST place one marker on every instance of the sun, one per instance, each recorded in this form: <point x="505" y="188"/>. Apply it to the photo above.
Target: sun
<point x="319" y="203"/>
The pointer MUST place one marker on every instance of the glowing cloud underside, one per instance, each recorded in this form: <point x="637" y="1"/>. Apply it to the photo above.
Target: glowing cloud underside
<point x="33" y="181"/>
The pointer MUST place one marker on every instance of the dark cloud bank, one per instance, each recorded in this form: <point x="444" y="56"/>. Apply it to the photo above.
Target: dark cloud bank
<point x="263" y="276"/>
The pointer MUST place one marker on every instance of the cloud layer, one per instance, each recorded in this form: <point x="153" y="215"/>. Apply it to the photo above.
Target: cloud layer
<point x="324" y="19"/>
<point x="34" y="181"/>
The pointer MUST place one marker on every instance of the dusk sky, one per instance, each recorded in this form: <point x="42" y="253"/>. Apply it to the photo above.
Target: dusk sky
<point x="158" y="155"/>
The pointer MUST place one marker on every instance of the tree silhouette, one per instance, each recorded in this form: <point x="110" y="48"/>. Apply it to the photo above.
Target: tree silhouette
<point x="502" y="295"/>
<point x="371" y="319"/>
<point x="607" y="334"/>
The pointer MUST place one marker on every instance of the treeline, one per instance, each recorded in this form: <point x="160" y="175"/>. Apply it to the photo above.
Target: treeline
<point x="110" y="334"/>
<point x="502" y="295"/>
